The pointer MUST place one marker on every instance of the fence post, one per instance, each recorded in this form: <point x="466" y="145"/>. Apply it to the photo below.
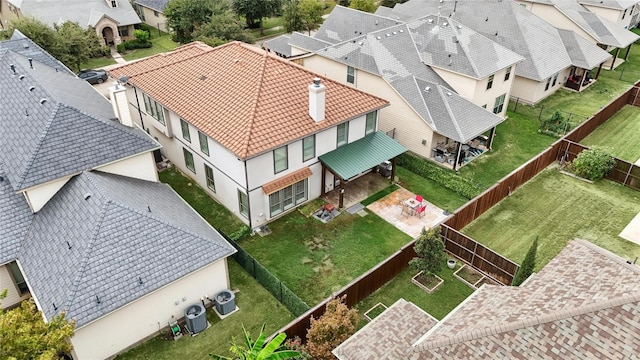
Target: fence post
<point x="540" y="115"/>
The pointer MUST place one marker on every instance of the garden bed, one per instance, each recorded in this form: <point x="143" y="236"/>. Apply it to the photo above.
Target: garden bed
<point x="376" y="310"/>
<point x="428" y="284"/>
<point x="469" y="276"/>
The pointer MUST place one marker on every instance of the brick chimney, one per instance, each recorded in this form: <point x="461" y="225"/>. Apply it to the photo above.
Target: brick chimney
<point x="317" y="93"/>
<point x="118" y="96"/>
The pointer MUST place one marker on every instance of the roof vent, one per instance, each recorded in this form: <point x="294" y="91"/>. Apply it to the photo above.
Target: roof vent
<point x="87" y="196"/>
<point x="387" y="34"/>
<point x="448" y="93"/>
<point x="430" y="21"/>
<point x="55" y="308"/>
<point x="496" y="33"/>
<point x="42" y="101"/>
<point x="13" y="68"/>
<point x="376" y="22"/>
<point x="378" y="37"/>
<point x="26" y="112"/>
<point x="445" y="24"/>
<point x="68" y="245"/>
<point x="459" y="26"/>
<point x="400" y="31"/>
<point x="25" y="45"/>
<point x="487" y="19"/>
<point x="360" y="43"/>
<point x="202" y="77"/>
<point x="427" y="88"/>
<point x="21" y="77"/>
<point x="395" y="33"/>
<point x="149" y="208"/>
<point x="31" y="88"/>
<point x="30" y="62"/>
<point x="140" y="282"/>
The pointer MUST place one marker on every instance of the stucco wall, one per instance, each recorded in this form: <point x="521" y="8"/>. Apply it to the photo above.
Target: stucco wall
<point x="144" y="317"/>
<point x="153" y="20"/>
<point x="531" y="91"/>
<point x="141" y="166"/>
<point x="13" y="294"/>
<point x="38" y="196"/>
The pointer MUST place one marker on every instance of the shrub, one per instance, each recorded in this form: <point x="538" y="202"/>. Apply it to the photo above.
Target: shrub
<point x="440" y="176"/>
<point x="430" y="250"/>
<point x="529" y="262"/>
<point x="142" y="36"/>
<point x="555" y="125"/>
<point x="240" y="233"/>
<point x="593" y="163"/>
<point x="334" y="327"/>
<point x="121" y="48"/>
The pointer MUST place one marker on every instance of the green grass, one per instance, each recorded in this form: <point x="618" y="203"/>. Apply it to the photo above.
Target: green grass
<point x="620" y="134"/>
<point x="451" y="293"/>
<point x="379" y="195"/>
<point x="162" y="43"/>
<point x="272" y="26"/>
<point x="345" y="247"/>
<point x="437" y="195"/>
<point x="257" y="307"/>
<point x="98" y="62"/>
<point x="213" y="212"/>
<point x="558" y="208"/>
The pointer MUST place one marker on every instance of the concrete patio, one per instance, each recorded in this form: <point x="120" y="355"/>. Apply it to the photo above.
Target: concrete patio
<point x="358" y="190"/>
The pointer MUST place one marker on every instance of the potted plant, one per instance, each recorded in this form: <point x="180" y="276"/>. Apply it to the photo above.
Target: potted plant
<point x="451" y="264"/>
<point x="430" y="250"/>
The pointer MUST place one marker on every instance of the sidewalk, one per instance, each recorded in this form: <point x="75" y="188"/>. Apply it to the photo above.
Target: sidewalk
<point x="117" y="57"/>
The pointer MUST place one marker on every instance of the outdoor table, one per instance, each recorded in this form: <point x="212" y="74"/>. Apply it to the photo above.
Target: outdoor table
<point x="413" y="204"/>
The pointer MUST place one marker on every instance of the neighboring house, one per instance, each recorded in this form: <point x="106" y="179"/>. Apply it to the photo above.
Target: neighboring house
<point x="152" y="13"/>
<point x="622" y="12"/>
<point x="548" y="63"/>
<point x="584" y="304"/>
<point x="113" y="20"/>
<point x="253" y="129"/>
<point x="570" y="15"/>
<point x="86" y="227"/>
<point x="447" y="84"/>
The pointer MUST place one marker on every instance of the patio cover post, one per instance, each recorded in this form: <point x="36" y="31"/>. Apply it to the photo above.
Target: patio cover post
<point x="341" y="197"/>
<point x="615" y="56"/>
<point x="627" y="53"/>
<point x="393" y="169"/>
<point x="323" y="183"/>
<point x="598" y="73"/>
<point x="492" y="134"/>
<point x="455" y="161"/>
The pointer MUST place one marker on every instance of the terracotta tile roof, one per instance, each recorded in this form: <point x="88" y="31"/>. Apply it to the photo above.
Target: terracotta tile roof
<point x="286" y="180"/>
<point x="244" y="98"/>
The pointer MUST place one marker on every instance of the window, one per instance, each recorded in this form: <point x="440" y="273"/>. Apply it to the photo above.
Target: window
<point x="351" y="75"/>
<point x="484" y="106"/>
<point x="155" y="13"/>
<point x="204" y="143"/>
<point x="18" y="278"/>
<point x="371" y="123"/>
<point x="497" y="107"/>
<point x="124" y="31"/>
<point x="507" y="73"/>
<point x="280" y="161"/>
<point x="208" y="172"/>
<point x="343" y="134"/>
<point x="185" y="130"/>
<point x="188" y="160"/>
<point x="285" y="199"/>
<point x="243" y="203"/>
<point x="153" y="108"/>
<point x="114" y="3"/>
<point x="308" y="148"/>
<point x="555" y="79"/>
<point x="490" y="82"/>
<point x="546" y="87"/>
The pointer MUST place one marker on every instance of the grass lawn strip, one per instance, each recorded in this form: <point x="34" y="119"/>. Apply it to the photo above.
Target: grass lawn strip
<point x="558" y="208"/>
<point x="434" y="193"/>
<point x="257" y="306"/>
<point x="620" y="134"/>
<point x="161" y="43"/>
<point x="315" y="259"/>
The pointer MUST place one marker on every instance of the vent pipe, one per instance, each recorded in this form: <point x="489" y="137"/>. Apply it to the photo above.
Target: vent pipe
<point x="317" y="94"/>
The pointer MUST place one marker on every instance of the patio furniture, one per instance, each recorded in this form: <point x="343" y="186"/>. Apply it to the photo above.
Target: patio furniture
<point x="412" y="204"/>
<point x="421" y="211"/>
<point x="419" y="198"/>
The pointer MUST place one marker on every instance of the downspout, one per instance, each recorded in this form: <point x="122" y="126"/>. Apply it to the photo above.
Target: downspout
<point x="246" y="179"/>
<point x="138" y="104"/>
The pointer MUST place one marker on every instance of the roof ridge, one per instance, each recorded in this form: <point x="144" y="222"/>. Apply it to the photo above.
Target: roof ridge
<point x="41" y="138"/>
<point x="527" y="322"/>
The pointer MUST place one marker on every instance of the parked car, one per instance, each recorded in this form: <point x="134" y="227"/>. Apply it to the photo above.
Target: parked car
<point x="93" y="76"/>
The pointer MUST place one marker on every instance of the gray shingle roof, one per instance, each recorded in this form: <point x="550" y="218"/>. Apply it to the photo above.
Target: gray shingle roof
<point x="583" y="53"/>
<point x="57" y="137"/>
<point x="517" y="30"/>
<point x="117" y="250"/>
<point x="604" y="31"/>
<point x="23" y="45"/>
<point x="613" y="4"/>
<point x="345" y="23"/>
<point x="15" y="217"/>
<point x="279" y="45"/>
<point x="157" y="5"/>
<point x="86" y="12"/>
<point x="306" y="42"/>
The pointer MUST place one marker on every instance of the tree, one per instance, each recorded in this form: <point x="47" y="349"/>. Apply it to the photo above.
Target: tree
<point x="593" y="163"/>
<point x="335" y="326"/>
<point x="364" y="5"/>
<point x="186" y="16"/>
<point x="25" y="335"/>
<point x="391" y="3"/>
<point x="258" y="350"/>
<point x="255" y="10"/>
<point x="302" y="15"/>
<point x="430" y="250"/>
<point x="221" y="29"/>
<point x="45" y="36"/>
<point x="75" y="44"/>
<point x="528" y="264"/>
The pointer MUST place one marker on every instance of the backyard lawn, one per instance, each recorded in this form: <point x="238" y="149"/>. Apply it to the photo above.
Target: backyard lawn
<point x="557" y="208"/>
<point x="161" y="43"/>
<point x="437" y="195"/>
<point x="438" y="304"/>
<point x="620" y="134"/>
<point x="315" y="259"/>
<point x="257" y="307"/>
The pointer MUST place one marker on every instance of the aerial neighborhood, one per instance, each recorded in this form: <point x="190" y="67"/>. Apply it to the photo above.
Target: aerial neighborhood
<point x="319" y="179"/>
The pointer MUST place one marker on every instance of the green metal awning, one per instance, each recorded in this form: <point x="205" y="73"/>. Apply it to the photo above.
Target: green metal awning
<point x="352" y="159"/>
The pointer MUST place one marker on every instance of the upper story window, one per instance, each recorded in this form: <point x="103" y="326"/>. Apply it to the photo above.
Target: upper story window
<point x="507" y="73"/>
<point x="308" y="148"/>
<point x="351" y="75"/>
<point x="185" y="130"/>
<point x="114" y="3"/>
<point x="371" y="123"/>
<point x="497" y="107"/>
<point x="490" y="82"/>
<point x="555" y="80"/>
<point x="546" y="86"/>
<point x="204" y="143"/>
<point x="280" y="161"/>
<point x="155" y="13"/>
<point x="343" y="134"/>
<point x="153" y="108"/>
<point x="21" y="284"/>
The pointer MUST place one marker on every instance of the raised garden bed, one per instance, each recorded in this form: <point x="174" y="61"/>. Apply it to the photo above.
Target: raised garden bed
<point x="428" y="284"/>
<point x="469" y="276"/>
<point x="376" y="310"/>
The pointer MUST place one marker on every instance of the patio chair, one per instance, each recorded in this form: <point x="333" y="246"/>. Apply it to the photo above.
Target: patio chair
<point x="419" y="198"/>
<point x="421" y="211"/>
<point x="405" y="209"/>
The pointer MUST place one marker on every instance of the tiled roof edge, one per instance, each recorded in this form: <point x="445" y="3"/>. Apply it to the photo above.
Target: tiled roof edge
<point x="524" y="323"/>
<point x="613" y="257"/>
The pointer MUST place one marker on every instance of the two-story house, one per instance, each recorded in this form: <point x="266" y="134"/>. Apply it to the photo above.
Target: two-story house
<point x="261" y="134"/>
<point x="152" y="13"/>
<point x="622" y="12"/>
<point x="113" y="20"/>
<point x="85" y="227"/>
